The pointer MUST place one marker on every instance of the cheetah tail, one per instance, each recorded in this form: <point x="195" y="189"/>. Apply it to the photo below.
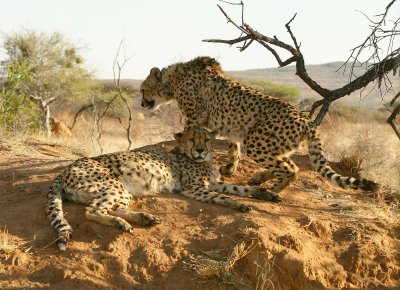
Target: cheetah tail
<point x="55" y="214"/>
<point x="321" y="166"/>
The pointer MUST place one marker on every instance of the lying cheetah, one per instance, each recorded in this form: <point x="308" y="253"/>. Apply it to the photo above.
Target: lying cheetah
<point x="107" y="183"/>
<point x="269" y="128"/>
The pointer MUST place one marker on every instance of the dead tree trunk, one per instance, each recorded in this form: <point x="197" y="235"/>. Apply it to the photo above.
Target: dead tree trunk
<point x="47" y="126"/>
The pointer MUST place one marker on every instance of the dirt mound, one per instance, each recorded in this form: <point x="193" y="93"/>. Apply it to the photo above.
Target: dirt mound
<point x="318" y="238"/>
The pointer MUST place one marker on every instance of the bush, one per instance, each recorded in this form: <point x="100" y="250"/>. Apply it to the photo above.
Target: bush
<point x="285" y="92"/>
<point x="357" y="113"/>
<point x="52" y="68"/>
<point x="17" y="112"/>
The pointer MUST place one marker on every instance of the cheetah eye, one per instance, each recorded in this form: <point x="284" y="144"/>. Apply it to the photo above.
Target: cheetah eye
<point x="191" y="139"/>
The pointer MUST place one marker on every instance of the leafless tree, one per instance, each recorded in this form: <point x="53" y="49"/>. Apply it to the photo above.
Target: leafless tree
<point x="377" y="65"/>
<point x="99" y="113"/>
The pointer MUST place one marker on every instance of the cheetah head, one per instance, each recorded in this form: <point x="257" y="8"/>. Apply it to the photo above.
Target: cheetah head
<point x="155" y="90"/>
<point x="196" y="143"/>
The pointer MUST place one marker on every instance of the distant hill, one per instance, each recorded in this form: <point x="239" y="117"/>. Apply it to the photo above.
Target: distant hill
<point x="127" y="85"/>
<point x="327" y="75"/>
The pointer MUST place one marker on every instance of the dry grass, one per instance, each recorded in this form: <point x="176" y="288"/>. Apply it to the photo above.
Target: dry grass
<point x="147" y="128"/>
<point x="211" y="268"/>
<point x="18" y="141"/>
<point x="207" y="269"/>
<point x="369" y="149"/>
<point x="9" y="244"/>
<point x="353" y="159"/>
<point x="383" y="205"/>
<point x="264" y="273"/>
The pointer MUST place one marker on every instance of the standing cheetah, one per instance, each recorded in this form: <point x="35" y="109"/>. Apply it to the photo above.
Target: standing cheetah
<point x="269" y="128"/>
<point x="106" y="183"/>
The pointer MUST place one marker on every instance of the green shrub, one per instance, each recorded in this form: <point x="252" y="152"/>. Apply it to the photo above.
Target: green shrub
<point x="52" y="67"/>
<point x="17" y="112"/>
<point x="285" y="92"/>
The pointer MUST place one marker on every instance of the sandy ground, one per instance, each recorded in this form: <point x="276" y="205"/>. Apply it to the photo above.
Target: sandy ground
<point x="319" y="237"/>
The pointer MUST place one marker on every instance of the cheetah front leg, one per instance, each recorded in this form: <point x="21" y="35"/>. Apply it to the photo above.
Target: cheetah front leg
<point x="102" y="216"/>
<point x="99" y="208"/>
<point x="203" y="195"/>
<point x="257" y="192"/>
<point x="140" y="218"/>
<point x="233" y="159"/>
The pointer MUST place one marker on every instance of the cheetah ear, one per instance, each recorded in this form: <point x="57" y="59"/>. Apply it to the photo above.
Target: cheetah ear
<point x="155" y="71"/>
<point x="177" y="136"/>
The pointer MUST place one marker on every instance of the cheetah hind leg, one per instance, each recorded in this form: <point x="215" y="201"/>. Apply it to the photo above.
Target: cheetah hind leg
<point x="285" y="172"/>
<point x="233" y="160"/>
<point x="261" y="177"/>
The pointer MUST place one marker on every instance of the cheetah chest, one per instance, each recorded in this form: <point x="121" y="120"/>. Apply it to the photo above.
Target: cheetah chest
<point x="149" y="179"/>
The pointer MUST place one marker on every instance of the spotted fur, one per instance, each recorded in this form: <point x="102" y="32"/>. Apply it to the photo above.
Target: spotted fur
<point x="107" y="183"/>
<point x="269" y="128"/>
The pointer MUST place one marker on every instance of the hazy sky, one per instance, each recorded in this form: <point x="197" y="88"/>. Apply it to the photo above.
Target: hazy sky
<point x="160" y="32"/>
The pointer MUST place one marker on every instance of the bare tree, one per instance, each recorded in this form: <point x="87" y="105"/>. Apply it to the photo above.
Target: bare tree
<point x="99" y="113"/>
<point x="377" y="65"/>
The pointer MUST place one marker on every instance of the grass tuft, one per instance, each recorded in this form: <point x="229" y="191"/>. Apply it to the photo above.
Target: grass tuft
<point x="8" y="244"/>
<point x="265" y="272"/>
<point x="209" y="269"/>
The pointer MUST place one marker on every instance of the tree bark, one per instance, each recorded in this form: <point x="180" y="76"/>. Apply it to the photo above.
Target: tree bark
<point x="46" y="109"/>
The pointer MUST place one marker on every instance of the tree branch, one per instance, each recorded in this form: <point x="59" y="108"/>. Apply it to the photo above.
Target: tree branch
<point x="372" y="40"/>
<point x="391" y="119"/>
<point x="315" y="106"/>
<point x="230" y="42"/>
<point x="80" y="111"/>
<point x="394" y="99"/>
<point x="376" y="71"/>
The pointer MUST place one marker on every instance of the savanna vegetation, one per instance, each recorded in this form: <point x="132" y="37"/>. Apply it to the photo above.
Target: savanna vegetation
<point x="44" y="78"/>
<point x="53" y="110"/>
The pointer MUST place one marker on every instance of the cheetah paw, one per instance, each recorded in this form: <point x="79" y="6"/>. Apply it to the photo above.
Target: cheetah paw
<point x="260" y="177"/>
<point x="124" y="226"/>
<point x="227" y="170"/>
<point x="149" y="220"/>
<point x="254" y="181"/>
<point x="244" y="208"/>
